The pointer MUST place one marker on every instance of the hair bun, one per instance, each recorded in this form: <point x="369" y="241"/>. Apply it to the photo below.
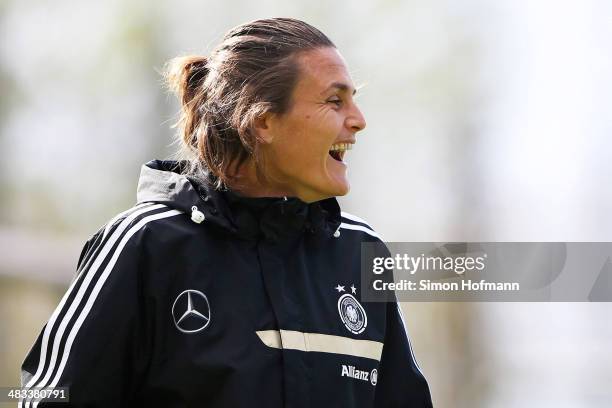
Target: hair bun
<point x="184" y="75"/>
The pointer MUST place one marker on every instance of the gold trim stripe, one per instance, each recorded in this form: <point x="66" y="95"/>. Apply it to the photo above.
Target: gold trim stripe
<point x="324" y="343"/>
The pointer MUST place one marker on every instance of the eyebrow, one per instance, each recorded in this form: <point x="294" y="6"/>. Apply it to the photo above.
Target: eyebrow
<point x="341" y="86"/>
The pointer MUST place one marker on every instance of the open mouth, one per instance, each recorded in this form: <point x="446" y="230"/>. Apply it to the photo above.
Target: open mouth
<point x="338" y="150"/>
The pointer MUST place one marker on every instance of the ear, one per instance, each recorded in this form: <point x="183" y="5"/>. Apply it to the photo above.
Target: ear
<point x="263" y="128"/>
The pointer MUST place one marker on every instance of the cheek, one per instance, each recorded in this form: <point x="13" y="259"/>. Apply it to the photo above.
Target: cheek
<point x="308" y="141"/>
<point x="302" y="149"/>
<point x="302" y="153"/>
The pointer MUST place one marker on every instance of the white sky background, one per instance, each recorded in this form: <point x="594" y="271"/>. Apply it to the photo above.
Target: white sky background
<point x="546" y="145"/>
<point x="536" y="161"/>
<point x="546" y="152"/>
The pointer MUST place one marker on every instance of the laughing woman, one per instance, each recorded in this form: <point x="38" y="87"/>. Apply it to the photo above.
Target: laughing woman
<point x="234" y="280"/>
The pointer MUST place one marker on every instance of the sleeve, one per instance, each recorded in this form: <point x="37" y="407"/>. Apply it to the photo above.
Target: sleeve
<point x="91" y="343"/>
<point x="400" y="380"/>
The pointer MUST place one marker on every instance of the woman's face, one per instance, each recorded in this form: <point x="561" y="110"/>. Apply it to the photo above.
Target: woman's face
<point x="304" y="148"/>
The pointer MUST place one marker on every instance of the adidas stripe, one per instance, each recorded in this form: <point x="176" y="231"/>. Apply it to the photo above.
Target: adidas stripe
<point x="142" y="215"/>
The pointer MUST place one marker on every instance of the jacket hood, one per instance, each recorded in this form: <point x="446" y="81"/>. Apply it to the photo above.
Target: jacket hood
<point x="273" y="218"/>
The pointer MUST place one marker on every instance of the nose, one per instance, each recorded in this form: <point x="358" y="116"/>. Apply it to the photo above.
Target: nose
<point x="355" y="121"/>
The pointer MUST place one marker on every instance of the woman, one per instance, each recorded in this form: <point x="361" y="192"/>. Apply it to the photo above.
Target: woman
<point x="235" y="280"/>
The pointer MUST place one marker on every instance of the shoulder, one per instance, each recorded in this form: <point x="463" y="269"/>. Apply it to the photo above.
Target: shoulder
<point x="138" y="218"/>
<point x="355" y="224"/>
<point x="129" y="228"/>
<point x="127" y="237"/>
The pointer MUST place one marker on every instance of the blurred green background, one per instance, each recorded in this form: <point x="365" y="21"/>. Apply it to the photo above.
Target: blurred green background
<point x="487" y="121"/>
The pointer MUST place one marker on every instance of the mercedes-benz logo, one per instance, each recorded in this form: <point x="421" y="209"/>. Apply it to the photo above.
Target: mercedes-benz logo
<point x="191" y="311"/>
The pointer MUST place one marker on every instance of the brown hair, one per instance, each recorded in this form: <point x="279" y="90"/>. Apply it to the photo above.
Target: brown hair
<point x="252" y="71"/>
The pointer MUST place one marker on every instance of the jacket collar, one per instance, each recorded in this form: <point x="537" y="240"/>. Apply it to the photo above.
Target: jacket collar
<point x="272" y="218"/>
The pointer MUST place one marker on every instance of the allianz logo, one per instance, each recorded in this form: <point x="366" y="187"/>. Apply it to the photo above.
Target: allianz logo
<point x="351" y="371"/>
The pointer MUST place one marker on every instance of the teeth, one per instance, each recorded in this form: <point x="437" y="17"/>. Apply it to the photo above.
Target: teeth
<point x="341" y="147"/>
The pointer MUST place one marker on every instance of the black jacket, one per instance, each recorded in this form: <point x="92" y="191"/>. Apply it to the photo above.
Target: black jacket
<point x="197" y="297"/>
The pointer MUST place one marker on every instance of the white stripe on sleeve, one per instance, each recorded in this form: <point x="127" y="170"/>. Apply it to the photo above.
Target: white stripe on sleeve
<point x="98" y="287"/>
<point x="401" y="314"/>
<point x="353" y="217"/>
<point x="89" y="273"/>
<point x="360" y="228"/>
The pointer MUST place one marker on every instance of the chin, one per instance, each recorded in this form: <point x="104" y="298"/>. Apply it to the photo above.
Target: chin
<point x="337" y="189"/>
<point x="334" y="178"/>
<point x="323" y="192"/>
<point x="344" y="190"/>
<point x="324" y="186"/>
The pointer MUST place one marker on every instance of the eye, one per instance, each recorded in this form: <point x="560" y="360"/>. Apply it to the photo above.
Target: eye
<point x="335" y="101"/>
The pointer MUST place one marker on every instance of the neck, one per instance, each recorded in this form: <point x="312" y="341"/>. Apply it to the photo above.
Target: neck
<point x="247" y="182"/>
